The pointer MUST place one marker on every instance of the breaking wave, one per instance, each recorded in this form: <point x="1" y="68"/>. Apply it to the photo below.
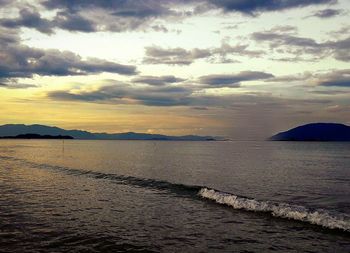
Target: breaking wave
<point x="282" y="210"/>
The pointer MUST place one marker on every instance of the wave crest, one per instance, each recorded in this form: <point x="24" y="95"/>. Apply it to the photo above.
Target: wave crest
<point x="282" y="210"/>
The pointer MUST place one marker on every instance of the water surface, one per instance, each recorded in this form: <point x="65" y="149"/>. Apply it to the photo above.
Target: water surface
<point x="157" y="196"/>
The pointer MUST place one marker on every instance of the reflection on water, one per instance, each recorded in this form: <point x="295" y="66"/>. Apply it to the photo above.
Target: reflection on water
<point x="100" y="196"/>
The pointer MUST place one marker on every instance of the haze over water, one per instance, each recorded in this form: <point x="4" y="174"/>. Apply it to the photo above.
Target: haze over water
<point x="154" y="196"/>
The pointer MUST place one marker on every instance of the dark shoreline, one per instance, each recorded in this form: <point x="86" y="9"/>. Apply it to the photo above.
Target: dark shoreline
<point x="38" y="137"/>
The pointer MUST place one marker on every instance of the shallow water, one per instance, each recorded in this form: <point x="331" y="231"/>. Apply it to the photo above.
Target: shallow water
<point x="100" y="196"/>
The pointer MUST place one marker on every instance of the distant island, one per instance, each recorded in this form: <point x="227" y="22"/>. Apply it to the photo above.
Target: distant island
<point x="15" y="130"/>
<point x="315" y="132"/>
<point x="37" y="136"/>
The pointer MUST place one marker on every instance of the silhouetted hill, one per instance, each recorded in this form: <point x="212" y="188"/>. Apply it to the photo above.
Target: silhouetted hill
<point x="37" y="136"/>
<point x="18" y="129"/>
<point x="315" y="132"/>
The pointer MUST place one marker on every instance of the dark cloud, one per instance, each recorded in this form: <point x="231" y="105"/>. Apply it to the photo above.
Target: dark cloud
<point x="336" y="78"/>
<point x="278" y="39"/>
<point x="251" y="7"/>
<point x="341" y="31"/>
<point x="160" y="28"/>
<point x="181" y="56"/>
<point x="73" y="22"/>
<point x="23" y="61"/>
<point x="142" y="9"/>
<point x="338" y="83"/>
<point x="285" y="29"/>
<point x="31" y="18"/>
<point x="18" y="60"/>
<point x="152" y="8"/>
<point x="172" y="56"/>
<point x="285" y="43"/>
<point x="327" y="13"/>
<point x="115" y="15"/>
<point x="200" y="108"/>
<point x="340" y="49"/>
<point x="125" y="15"/>
<point x="117" y="7"/>
<point x="28" y="18"/>
<point x="8" y="37"/>
<point x="291" y="78"/>
<point x="238" y="50"/>
<point x="157" y="80"/>
<point x="330" y="92"/>
<point x="5" y="2"/>
<point x="121" y="93"/>
<point x="160" y="91"/>
<point x="127" y="94"/>
<point x="13" y="83"/>
<point x="234" y="79"/>
<point x="91" y="16"/>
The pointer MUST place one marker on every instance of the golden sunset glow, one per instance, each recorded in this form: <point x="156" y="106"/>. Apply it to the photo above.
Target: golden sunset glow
<point x="178" y="74"/>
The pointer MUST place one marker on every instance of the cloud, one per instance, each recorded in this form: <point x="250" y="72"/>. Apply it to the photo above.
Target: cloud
<point x="128" y="94"/>
<point x="285" y="29"/>
<point x="4" y="2"/>
<point x="11" y="83"/>
<point x="291" y="78"/>
<point x="240" y="49"/>
<point x="118" y="93"/>
<point x="115" y="15"/>
<point x="160" y="90"/>
<point x="336" y="78"/>
<point x="330" y="92"/>
<point x="200" y="108"/>
<point x="154" y="8"/>
<point x="23" y="61"/>
<point x="127" y="15"/>
<point x="181" y="56"/>
<point x="73" y="22"/>
<point x="338" y="108"/>
<point x="92" y="16"/>
<point x="18" y="60"/>
<point x="174" y="56"/>
<point x="159" y="28"/>
<point x="157" y="80"/>
<point x="147" y="8"/>
<point x="327" y="13"/>
<point x="344" y="30"/>
<point x="339" y="83"/>
<point x="279" y="39"/>
<point x="8" y="37"/>
<point x="233" y="80"/>
<point x="28" y="18"/>
<point x="290" y="44"/>
<point x="340" y="49"/>
<point x="253" y="7"/>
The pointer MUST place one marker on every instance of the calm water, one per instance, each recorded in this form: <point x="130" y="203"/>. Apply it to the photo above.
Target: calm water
<point x="117" y="196"/>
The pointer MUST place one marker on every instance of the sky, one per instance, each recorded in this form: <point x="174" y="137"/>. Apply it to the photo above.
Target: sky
<point x="234" y="68"/>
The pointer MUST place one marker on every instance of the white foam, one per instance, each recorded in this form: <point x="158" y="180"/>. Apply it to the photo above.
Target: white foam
<point x="282" y="210"/>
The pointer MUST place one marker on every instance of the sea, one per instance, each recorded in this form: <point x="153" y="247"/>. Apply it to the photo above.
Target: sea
<point x="174" y="196"/>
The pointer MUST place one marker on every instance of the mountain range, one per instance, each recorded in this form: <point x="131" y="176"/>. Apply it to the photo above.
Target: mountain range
<point x="315" y="132"/>
<point x="20" y="129"/>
